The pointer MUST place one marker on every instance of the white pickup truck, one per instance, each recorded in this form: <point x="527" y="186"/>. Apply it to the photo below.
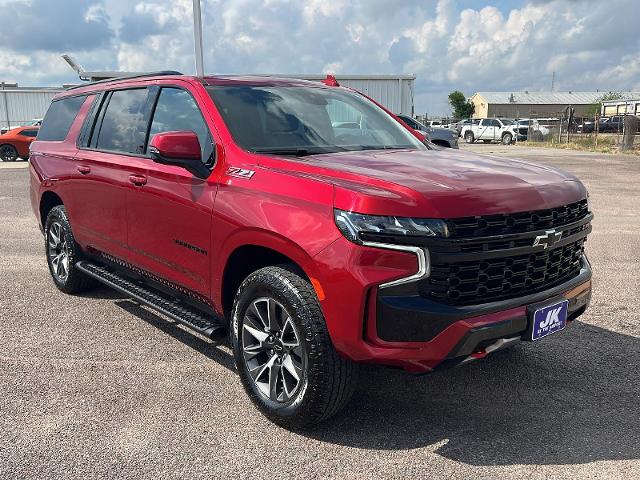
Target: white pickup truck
<point x="491" y="130"/>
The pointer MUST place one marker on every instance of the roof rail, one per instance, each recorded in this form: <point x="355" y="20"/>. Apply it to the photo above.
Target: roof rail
<point x="127" y="77"/>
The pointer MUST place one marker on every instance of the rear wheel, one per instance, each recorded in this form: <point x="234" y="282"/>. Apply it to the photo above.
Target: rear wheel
<point x="468" y="137"/>
<point x="63" y="252"/>
<point x="285" y="357"/>
<point x="8" y="153"/>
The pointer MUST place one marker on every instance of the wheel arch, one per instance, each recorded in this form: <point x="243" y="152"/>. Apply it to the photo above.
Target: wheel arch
<point x="252" y="251"/>
<point x="48" y="200"/>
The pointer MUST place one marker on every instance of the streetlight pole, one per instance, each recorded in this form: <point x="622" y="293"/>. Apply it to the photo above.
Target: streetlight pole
<point x="197" y="36"/>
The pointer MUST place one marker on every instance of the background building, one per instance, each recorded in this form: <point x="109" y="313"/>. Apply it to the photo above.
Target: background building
<point x="621" y="107"/>
<point x="395" y="92"/>
<point x="535" y="104"/>
<point x="20" y="105"/>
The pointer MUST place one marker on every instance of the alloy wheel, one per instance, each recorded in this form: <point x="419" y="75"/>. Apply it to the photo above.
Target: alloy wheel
<point x="272" y="350"/>
<point x="58" y="252"/>
<point x="8" y="153"/>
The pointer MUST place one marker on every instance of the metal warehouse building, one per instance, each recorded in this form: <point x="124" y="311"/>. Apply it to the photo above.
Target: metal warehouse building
<point x="395" y="92"/>
<point x="535" y="104"/>
<point x="621" y="107"/>
<point x="19" y="105"/>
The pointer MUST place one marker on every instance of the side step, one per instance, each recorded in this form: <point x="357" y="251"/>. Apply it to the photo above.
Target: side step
<point x="186" y="315"/>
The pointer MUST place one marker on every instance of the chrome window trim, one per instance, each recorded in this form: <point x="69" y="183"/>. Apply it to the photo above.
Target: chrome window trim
<point x="424" y="263"/>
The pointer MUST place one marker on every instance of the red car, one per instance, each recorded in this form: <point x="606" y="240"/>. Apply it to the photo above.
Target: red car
<point x="15" y="143"/>
<point x="307" y="224"/>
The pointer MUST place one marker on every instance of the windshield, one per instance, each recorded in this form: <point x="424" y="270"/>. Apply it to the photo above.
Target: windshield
<point x="506" y="121"/>
<point x="301" y="120"/>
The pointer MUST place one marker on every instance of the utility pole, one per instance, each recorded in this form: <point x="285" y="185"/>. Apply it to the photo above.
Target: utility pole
<point x="197" y="36"/>
<point x="553" y="80"/>
<point x="6" y="106"/>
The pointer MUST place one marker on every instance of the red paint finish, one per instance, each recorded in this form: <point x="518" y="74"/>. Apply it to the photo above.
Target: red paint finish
<point x="163" y="219"/>
<point x="177" y="145"/>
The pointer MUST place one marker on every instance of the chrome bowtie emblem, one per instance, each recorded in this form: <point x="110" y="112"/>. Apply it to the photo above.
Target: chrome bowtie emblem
<point x="547" y="240"/>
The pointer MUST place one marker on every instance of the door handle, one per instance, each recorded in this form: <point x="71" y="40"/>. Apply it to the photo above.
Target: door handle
<point x="84" y="169"/>
<point x="138" y="180"/>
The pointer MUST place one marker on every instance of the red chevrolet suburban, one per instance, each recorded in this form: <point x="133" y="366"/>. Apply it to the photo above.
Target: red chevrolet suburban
<point x="308" y="225"/>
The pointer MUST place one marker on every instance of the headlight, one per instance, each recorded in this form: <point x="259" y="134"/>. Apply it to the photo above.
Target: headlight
<point x="357" y="227"/>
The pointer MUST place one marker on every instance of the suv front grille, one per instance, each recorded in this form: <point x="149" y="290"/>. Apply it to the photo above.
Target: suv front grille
<point x="504" y="224"/>
<point x="488" y="280"/>
<point x="492" y="258"/>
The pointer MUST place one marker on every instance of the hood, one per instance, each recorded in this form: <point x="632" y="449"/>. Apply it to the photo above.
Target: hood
<point x="438" y="183"/>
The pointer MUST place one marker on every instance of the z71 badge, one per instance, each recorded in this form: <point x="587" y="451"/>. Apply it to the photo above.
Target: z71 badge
<point x="240" y="172"/>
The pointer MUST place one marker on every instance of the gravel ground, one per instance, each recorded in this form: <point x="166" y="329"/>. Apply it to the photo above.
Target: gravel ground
<point x="96" y="386"/>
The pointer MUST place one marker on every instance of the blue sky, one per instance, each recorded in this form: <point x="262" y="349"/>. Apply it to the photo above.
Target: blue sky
<point x="449" y="44"/>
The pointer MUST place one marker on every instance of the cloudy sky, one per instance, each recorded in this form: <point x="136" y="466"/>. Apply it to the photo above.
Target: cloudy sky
<point x="449" y="44"/>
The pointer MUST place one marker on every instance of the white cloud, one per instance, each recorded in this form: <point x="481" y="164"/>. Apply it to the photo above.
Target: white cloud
<point x="589" y="44"/>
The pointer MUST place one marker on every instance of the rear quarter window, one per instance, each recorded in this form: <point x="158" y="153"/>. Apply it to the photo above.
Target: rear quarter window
<point x="59" y="117"/>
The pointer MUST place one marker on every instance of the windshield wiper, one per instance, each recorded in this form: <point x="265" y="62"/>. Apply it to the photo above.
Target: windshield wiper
<point x="384" y="147"/>
<point x="298" y="152"/>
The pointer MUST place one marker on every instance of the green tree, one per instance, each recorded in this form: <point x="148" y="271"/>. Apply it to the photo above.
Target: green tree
<point x="595" y="108"/>
<point x="462" y="108"/>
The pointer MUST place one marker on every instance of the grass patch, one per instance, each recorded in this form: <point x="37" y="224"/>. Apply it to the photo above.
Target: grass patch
<point x="584" y="143"/>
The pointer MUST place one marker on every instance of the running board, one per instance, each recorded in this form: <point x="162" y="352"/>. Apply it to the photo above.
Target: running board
<point x="186" y="315"/>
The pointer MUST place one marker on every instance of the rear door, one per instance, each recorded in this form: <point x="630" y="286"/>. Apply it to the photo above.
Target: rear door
<point x="111" y="150"/>
<point x="169" y="214"/>
<point x="486" y="129"/>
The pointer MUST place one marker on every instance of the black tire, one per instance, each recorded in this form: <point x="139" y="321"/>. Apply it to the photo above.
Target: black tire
<point x="8" y="153"/>
<point x="66" y="250"/>
<point x="469" y="138"/>
<point x="327" y="380"/>
<point x="507" y="138"/>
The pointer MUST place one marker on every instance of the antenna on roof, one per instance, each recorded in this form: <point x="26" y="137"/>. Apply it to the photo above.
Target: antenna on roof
<point x="75" y="66"/>
<point x="197" y="36"/>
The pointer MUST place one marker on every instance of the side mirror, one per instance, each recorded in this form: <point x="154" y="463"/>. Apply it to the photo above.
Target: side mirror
<point x="181" y="149"/>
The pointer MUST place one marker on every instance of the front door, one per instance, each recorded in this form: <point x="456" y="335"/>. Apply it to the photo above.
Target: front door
<point x="169" y="213"/>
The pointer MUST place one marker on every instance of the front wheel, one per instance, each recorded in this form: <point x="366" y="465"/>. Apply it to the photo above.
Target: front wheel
<point x="285" y="357"/>
<point x="507" y="138"/>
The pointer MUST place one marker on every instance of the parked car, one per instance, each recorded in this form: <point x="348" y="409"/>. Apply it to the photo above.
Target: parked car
<point x="15" y="143"/>
<point x="233" y="206"/>
<point x="490" y="130"/>
<point x="438" y="136"/>
<point x="536" y="128"/>
<point x="605" y="125"/>
<point x="33" y="123"/>
<point x="459" y="126"/>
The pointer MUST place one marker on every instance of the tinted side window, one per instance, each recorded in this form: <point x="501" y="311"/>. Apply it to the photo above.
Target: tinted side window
<point x="176" y="110"/>
<point x="59" y="117"/>
<point x="124" y="125"/>
<point x="29" y="133"/>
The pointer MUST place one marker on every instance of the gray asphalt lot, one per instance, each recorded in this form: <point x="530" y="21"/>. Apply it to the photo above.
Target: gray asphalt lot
<point x="96" y="386"/>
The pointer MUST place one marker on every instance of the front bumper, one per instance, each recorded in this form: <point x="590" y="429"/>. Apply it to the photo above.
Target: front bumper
<point x="416" y="334"/>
